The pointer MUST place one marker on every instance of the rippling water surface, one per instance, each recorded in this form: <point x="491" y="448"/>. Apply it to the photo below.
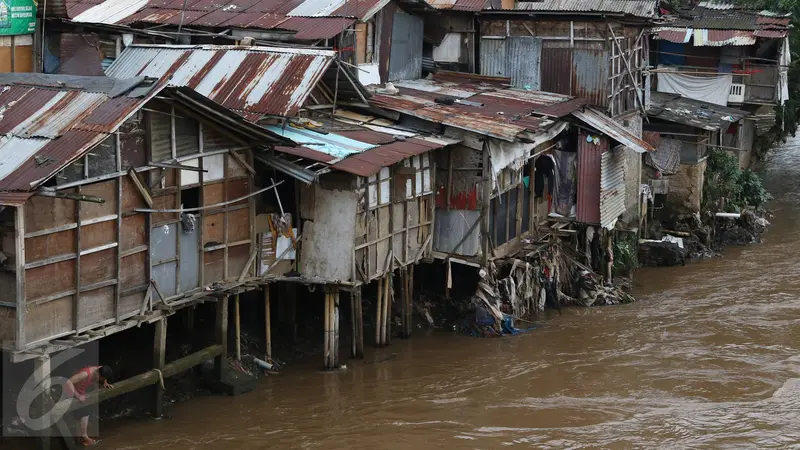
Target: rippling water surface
<point x="708" y="358"/>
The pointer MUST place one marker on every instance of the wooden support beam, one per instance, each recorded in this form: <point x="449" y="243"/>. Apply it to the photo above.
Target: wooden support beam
<point x="238" y="327"/>
<point x="403" y="302"/>
<point x="140" y="186"/>
<point x="359" y="323"/>
<point x="327" y="332"/>
<point x="78" y="197"/>
<point x="410" y="299"/>
<point x="379" y="315"/>
<point x="19" y="260"/>
<point x="41" y="406"/>
<point x="335" y="321"/>
<point x="221" y="361"/>
<point x="159" y="355"/>
<point x="268" y="322"/>
<point x="387" y="307"/>
<point x="353" y="325"/>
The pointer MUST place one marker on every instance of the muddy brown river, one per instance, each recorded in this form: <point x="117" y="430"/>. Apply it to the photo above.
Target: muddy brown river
<point x="709" y="357"/>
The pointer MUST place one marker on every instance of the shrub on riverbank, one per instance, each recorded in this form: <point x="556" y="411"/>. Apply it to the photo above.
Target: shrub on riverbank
<point x="727" y="188"/>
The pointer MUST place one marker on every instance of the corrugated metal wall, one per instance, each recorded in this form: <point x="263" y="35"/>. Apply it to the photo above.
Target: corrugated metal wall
<point x="517" y="57"/>
<point x="556" y="68"/>
<point x="406" y="58"/>
<point x="590" y="75"/>
<point x="523" y="61"/>
<point x="493" y="57"/>
<point x="589" y="167"/>
<point x="451" y="226"/>
<point x="612" y="187"/>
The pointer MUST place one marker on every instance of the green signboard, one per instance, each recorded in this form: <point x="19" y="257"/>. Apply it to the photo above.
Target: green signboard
<point x="17" y="17"/>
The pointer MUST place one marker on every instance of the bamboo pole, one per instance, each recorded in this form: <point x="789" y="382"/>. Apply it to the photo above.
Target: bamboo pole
<point x="238" y="325"/>
<point x="159" y="358"/>
<point x="220" y="362"/>
<point x="268" y="323"/>
<point x="379" y="315"/>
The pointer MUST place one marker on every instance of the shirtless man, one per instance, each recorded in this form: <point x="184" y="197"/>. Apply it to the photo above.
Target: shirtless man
<point x="77" y="386"/>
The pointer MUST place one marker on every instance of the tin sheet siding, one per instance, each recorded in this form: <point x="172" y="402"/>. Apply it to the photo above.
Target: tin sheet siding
<point x="589" y="164"/>
<point x="612" y="187"/>
<point x="493" y="57"/>
<point x="590" y="75"/>
<point x="556" y="69"/>
<point x="451" y="226"/>
<point x="524" y="61"/>
<point x="406" y="57"/>
<point x="517" y="57"/>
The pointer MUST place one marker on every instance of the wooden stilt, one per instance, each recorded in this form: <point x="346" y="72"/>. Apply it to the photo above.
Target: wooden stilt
<point x="387" y="306"/>
<point x="268" y="322"/>
<point x="159" y="354"/>
<point x="335" y="319"/>
<point x="359" y="324"/>
<point x="327" y="320"/>
<point x="41" y="375"/>
<point x="379" y="315"/>
<point x="410" y="308"/>
<point x="190" y="318"/>
<point x="238" y="327"/>
<point x="221" y="361"/>
<point x="353" y="326"/>
<point x="403" y="303"/>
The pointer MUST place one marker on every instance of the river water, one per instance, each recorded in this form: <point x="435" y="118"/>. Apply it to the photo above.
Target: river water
<point x="709" y="357"/>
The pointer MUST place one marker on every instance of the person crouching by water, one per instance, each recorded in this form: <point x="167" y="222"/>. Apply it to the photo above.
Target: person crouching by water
<point x="77" y="387"/>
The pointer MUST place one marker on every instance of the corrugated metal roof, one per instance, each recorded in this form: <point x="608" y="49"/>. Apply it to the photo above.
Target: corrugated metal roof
<point x="48" y="121"/>
<point x="686" y="111"/>
<point x="502" y="113"/>
<point x="729" y="19"/>
<point x="370" y="162"/>
<point x="255" y="80"/>
<point x="321" y="19"/>
<point x="636" y="8"/>
<point x="606" y="125"/>
<point x="42" y="117"/>
<point x="328" y="143"/>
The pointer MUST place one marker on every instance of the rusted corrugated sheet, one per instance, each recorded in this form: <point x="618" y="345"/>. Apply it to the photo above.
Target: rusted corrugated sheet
<point x="590" y="75"/>
<point x="493" y="56"/>
<point x="371" y="161"/>
<point x="636" y="8"/>
<point x="314" y="28"/>
<point x="14" y="198"/>
<point x="255" y="80"/>
<point x="556" y="69"/>
<point x="562" y="109"/>
<point x="589" y="165"/>
<point x="470" y="5"/>
<point x="676" y="35"/>
<point x="612" y="188"/>
<point x="609" y="127"/>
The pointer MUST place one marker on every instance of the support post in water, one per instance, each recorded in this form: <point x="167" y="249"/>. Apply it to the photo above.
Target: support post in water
<point x="159" y="358"/>
<point x="403" y="302"/>
<point x="221" y="361"/>
<point x="410" y="300"/>
<point x="238" y="327"/>
<point x="335" y="319"/>
<point x="388" y="293"/>
<point x="359" y="323"/>
<point x="326" y="319"/>
<point x="267" y="322"/>
<point x="379" y="315"/>
<point x="41" y="374"/>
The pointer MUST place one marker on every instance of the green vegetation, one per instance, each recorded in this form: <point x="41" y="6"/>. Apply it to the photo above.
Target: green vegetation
<point x="729" y="189"/>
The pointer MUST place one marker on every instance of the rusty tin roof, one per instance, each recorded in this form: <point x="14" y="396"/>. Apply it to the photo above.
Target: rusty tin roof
<point x="309" y="19"/>
<point x="49" y="121"/>
<point x="488" y="107"/>
<point x="252" y="81"/>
